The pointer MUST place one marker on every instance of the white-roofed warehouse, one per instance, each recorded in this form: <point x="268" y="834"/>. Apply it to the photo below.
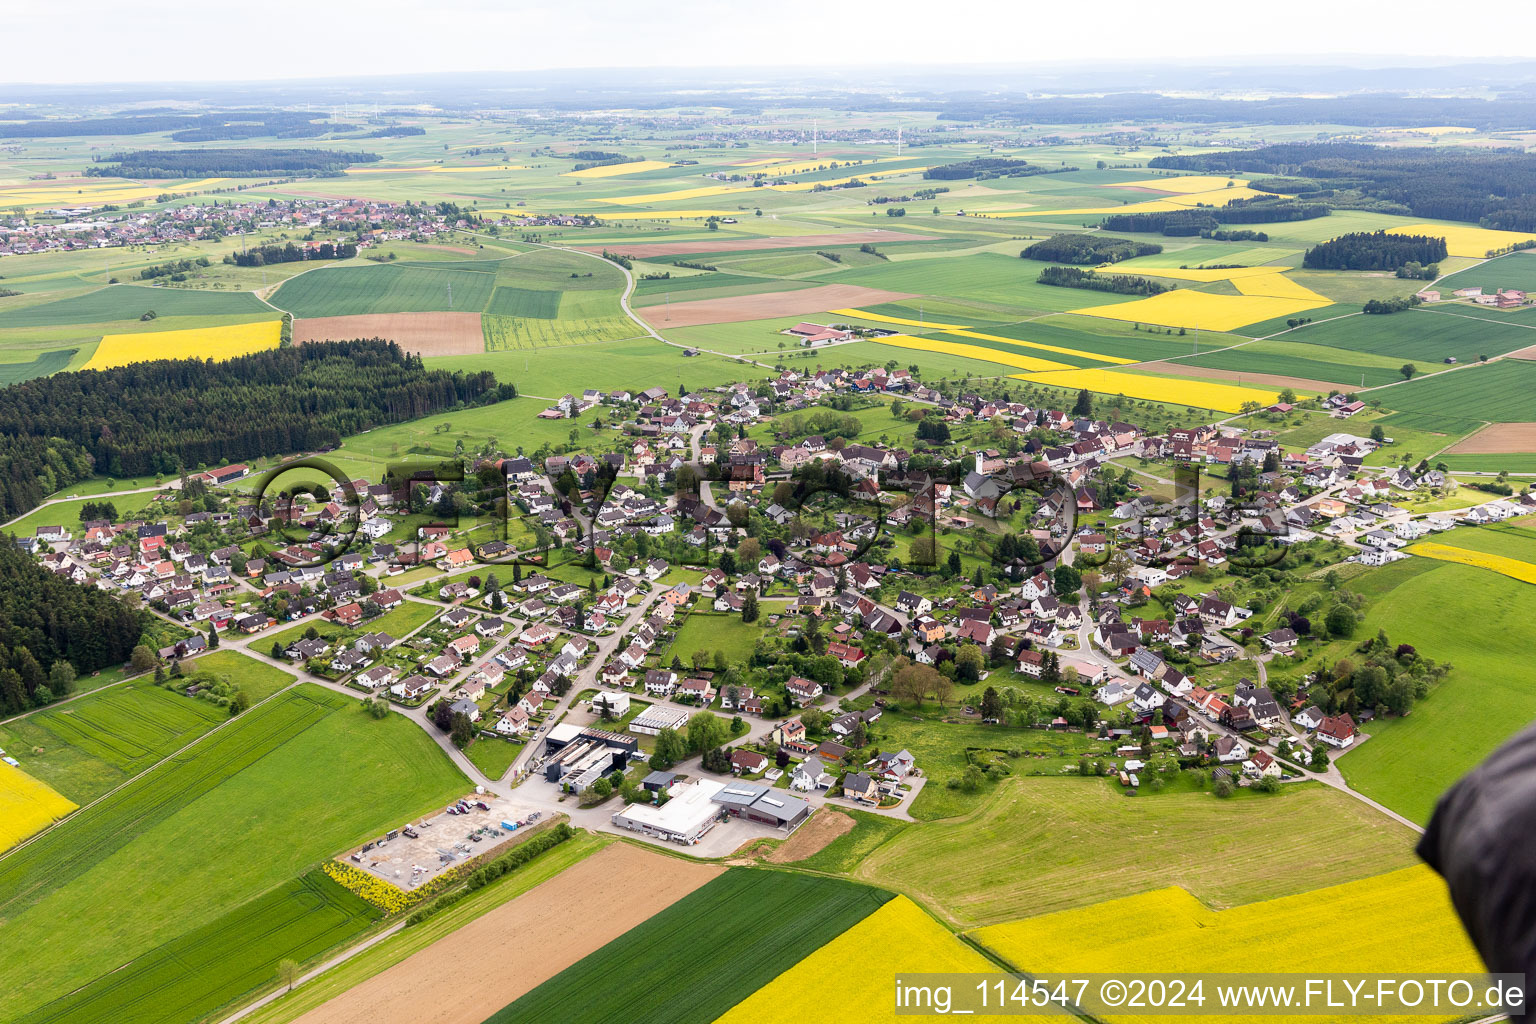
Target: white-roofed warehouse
<point x="687" y="815"/>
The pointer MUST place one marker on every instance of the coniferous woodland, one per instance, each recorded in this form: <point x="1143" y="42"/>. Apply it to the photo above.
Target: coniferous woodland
<point x="1374" y="250"/>
<point x="1119" y="284"/>
<point x="1495" y="188"/>
<point x="159" y="417"/>
<point x="1086" y="249"/>
<point x="986" y="167"/>
<point x="226" y="163"/>
<point x="264" y="255"/>
<point x="46" y="618"/>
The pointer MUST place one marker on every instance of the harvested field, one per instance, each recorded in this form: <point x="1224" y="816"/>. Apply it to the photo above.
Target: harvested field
<point x="768" y="304"/>
<point x="812" y="837"/>
<point x="431" y="334"/>
<point x="1497" y="438"/>
<point x="619" y="886"/>
<point x="645" y="250"/>
<point x="1274" y="380"/>
<point x="1529" y="352"/>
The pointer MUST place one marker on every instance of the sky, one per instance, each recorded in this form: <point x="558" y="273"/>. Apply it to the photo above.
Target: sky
<point x="171" y="40"/>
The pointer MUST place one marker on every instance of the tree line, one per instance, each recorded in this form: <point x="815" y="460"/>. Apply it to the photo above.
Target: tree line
<point x="1374" y="250"/>
<point x="264" y="255"/>
<point x="984" y="167"/>
<point x="50" y="627"/>
<point x="159" y="417"/>
<point x="1119" y="284"/>
<point x="225" y="163"/>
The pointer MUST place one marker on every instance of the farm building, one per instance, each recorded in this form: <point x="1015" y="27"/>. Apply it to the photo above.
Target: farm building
<point x="687" y="815"/>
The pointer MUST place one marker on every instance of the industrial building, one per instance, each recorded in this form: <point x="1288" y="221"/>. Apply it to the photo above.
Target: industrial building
<point x="653" y="719"/>
<point x="577" y="757"/>
<point x="688" y="814"/>
<point x="762" y="804"/>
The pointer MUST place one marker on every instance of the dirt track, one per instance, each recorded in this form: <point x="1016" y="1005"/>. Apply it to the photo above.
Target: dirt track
<point x="431" y="334"/>
<point x="1274" y="380"/>
<point x="769" y="304"/>
<point x="1497" y="438"/>
<point x="468" y="975"/>
<point x="646" y="250"/>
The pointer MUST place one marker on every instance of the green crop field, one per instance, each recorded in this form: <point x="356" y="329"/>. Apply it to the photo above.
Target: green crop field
<point x="1422" y="335"/>
<point x="1492" y="463"/>
<point x="1408" y="762"/>
<point x="506" y="301"/>
<point x="232" y="816"/>
<point x="1273" y="360"/>
<point x="761" y="923"/>
<point x="387" y="288"/>
<point x="85" y="747"/>
<point x="1516" y="270"/>
<point x="44" y="364"/>
<point x="1501" y="392"/>
<point x="131" y="301"/>
<point x="210" y="966"/>
<point x="503" y="333"/>
<point x="1045" y="844"/>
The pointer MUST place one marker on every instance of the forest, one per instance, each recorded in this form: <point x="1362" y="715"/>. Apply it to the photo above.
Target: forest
<point x="225" y="163"/>
<point x="1088" y="249"/>
<point x="986" y="167"/>
<point x="159" y="417"/>
<point x="1373" y="250"/>
<point x="1120" y="284"/>
<point x="1495" y="188"/>
<point x="46" y="619"/>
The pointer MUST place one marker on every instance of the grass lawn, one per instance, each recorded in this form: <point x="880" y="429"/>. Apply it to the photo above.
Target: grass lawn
<point x="1477" y="620"/>
<point x="403" y="944"/>
<point x="258" y="679"/>
<point x="844" y="853"/>
<point x="232" y="817"/>
<point x="1051" y="844"/>
<point x="714" y="631"/>
<point x="492" y="755"/>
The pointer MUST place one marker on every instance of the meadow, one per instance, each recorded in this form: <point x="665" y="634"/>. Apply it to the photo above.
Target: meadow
<point x="212" y="965"/>
<point x="713" y="631"/>
<point x="131" y="301"/>
<point x="1043" y="844"/>
<point x="233" y="815"/>
<point x="1400" y="918"/>
<point x="1473" y="619"/>
<point x="760" y="922"/>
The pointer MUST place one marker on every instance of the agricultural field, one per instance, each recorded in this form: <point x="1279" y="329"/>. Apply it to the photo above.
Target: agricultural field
<point x="1420" y="335"/>
<point x="1514" y="568"/>
<point x="29" y="806"/>
<point x="217" y="343"/>
<point x="230" y="956"/>
<point x="1516" y="270"/>
<point x="1171" y="931"/>
<point x="130" y="302"/>
<point x="402" y="287"/>
<point x="769" y="921"/>
<point x="1200" y="394"/>
<point x="207" y="829"/>
<point x="1502" y="391"/>
<point x="1055" y="843"/>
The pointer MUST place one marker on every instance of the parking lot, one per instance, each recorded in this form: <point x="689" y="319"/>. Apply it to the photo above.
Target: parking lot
<point x="442" y="841"/>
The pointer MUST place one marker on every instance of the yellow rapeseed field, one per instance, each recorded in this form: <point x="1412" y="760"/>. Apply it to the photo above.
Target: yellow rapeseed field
<point x="1203" y="394"/>
<point x="851" y="979"/>
<point x="1515" y="569"/>
<point x="989" y="355"/>
<point x="803" y="166"/>
<point x="1278" y="286"/>
<point x="610" y="170"/>
<point x="1396" y="921"/>
<point x="371" y="888"/>
<point x="1192" y="309"/>
<point x="677" y="194"/>
<point x="27" y="806"/>
<point x="1465" y="240"/>
<point x="217" y="343"/>
<point x="1063" y="350"/>
<point x="1183" y="185"/>
<point x="881" y="318"/>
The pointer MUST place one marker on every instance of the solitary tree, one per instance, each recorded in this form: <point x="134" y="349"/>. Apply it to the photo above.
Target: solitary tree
<point x="287" y="973"/>
<point x="1408" y="370"/>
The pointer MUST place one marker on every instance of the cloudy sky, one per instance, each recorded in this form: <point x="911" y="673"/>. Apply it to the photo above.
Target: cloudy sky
<point x="170" y="40"/>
